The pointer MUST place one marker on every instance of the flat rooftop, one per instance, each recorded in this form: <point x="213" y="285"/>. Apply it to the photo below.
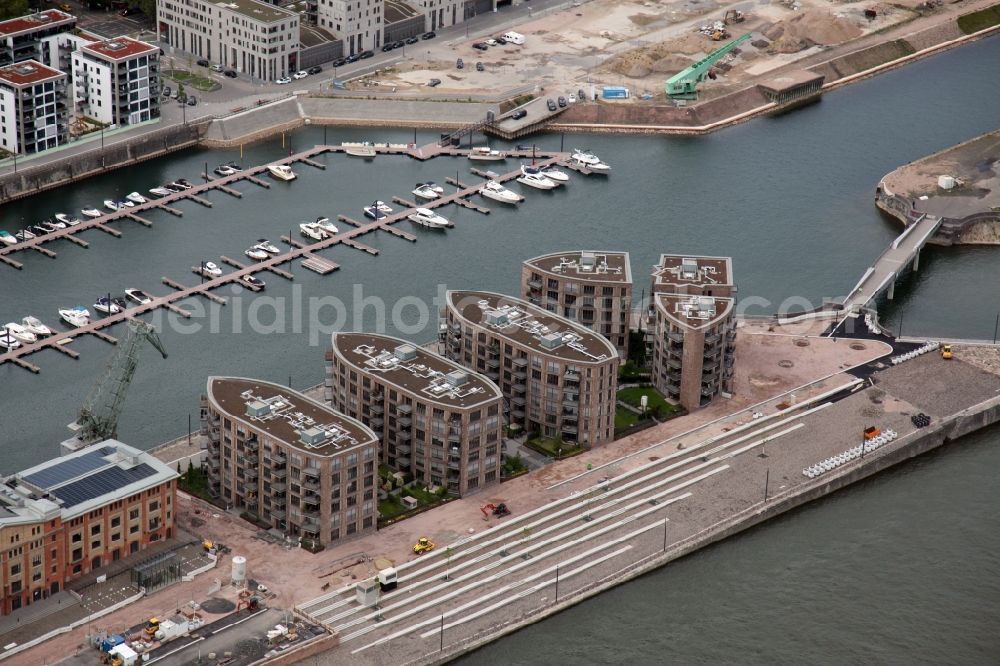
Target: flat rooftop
<point x="407" y="366"/>
<point x="791" y="80"/>
<point x="119" y="48"/>
<point x="28" y="73"/>
<point x="694" y="311"/>
<point x="687" y="269"/>
<point x="288" y="416"/>
<point x="598" y="266"/>
<point x="258" y="11"/>
<point x="80" y="482"/>
<point x="32" y="22"/>
<point x="531" y="326"/>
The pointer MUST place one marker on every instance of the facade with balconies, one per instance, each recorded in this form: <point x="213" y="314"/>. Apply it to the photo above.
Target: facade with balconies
<point x="691" y="332"/>
<point x="288" y="461"/>
<point x="593" y="288"/>
<point x="117" y="81"/>
<point x="435" y="419"/>
<point x="34" y="113"/>
<point x="558" y="378"/>
<point x="33" y="37"/>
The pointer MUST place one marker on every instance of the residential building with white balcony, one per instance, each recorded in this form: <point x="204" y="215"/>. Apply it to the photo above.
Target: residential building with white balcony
<point x="34" y="110"/>
<point x="117" y="81"/>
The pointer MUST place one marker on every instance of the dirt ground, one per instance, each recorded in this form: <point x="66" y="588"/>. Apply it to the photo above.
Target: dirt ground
<point x="640" y="44"/>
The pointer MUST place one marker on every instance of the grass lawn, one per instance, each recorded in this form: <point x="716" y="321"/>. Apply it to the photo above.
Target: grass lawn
<point x="422" y="495"/>
<point x="624" y="418"/>
<point x="391" y="507"/>
<point x="192" y="80"/>
<point x="655" y="402"/>
<point x="552" y="447"/>
<point x="630" y="372"/>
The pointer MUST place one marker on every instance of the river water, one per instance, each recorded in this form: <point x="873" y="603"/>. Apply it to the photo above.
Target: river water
<point x="789" y="198"/>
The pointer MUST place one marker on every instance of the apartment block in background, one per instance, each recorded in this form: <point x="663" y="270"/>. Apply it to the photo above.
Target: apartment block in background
<point x="34" y="110"/>
<point x="117" y="81"/>
<point x="437" y="420"/>
<point x="290" y="461"/>
<point x="590" y="287"/>
<point x="559" y="378"/>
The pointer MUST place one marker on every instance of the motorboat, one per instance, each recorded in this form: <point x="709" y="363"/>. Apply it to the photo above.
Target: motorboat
<point x="138" y="295"/>
<point x="256" y="253"/>
<point x="374" y="213"/>
<point x="8" y="341"/>
<point x="185" y="183"/>
<point x="135" y="197"/>
<point x="494" y="190"/>
<point x="555" y="174"/>
<point x="76" y="317"/>
<point x="111" y="205"/>
<point x="532" y="177"/>
<point x="326" y="225"/>
<point x="7" y="238"/>
<point x="211" y="268"/>
<point x="36" y="327"/>
<point x="281" y="171"/>
<point x="54" y="224"/>
<point x="23" y="235"/>
<point x="160" y="191"/>
<point x="107" y="306"/>
<point x="267" y="246"/>
<point x="252" y="282"/>
<point x="227" y="169"/>
<point x="363" y="149"/>
<point x="383" y="207"/>
<point x="173" y="188"/>
<point x="428" y="218"/>
<point x="20" y="333"/>
<point x="120" y="302"/>
<point x="67" y="220"/>
<point x="434" y="186"/>
<point x="486" y="154"/>
<point x="91" y="212"/>
<point x="125" y="203"/>
<point x="589" y="160"/>
<point x="38" y="230"/>
<point x="312" y="230"/>
<point x="425" y="191"/>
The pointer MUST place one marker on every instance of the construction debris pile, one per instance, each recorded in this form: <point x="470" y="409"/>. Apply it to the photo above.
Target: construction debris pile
<point x="811" y="28"/>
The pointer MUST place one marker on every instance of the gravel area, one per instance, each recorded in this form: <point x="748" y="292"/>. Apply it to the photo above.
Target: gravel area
<point x="939" y="387"/>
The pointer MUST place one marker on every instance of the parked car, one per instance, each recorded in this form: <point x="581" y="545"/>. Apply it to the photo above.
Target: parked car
<point x="434" y="83"/>
<point x="571" y="99"/>
<point x="174" y="93"/>
<point x="460" y="64"/>
<point x="231" y="73"/>
<point x="192" y="100"/>
<point x="66" y="7"/>
<point x="283" y="80"/>
<point x="480" y="46"/>
<point x="387" y="47"/>
<point x="315" y="69"/>
<point x="429" y="35"/>
<point x="398" y="44"/>
<point x="551" y="105"/>
<point x="479" y="67"/>
<point x="492" y="42"/>
<point x="520" y="113"/>
<point x="412" y="40"/>
<point x="500" y="41"/>
<point x="580" y="95"/>
<point x="354" y="57"/>
<point x="217" y="68"/>
<point x="203" y="63"/>
<point x="301" y="74"/>
<point x="367" y="54"/>
<point x="340" y="62"/>
<point x="562" y="102"/>
<point x="167" y="90"/>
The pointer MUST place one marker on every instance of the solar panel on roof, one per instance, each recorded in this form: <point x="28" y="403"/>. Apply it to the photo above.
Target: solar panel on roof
<point x="106" y="481"/>
<point x="70" y="468"/>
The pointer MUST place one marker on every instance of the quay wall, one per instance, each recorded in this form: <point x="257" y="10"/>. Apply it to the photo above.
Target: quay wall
<point x="940" y="432"/>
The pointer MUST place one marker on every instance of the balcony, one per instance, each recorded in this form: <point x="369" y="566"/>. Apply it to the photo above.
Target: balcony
<point x="535" y="284"/>
<point x="278" y="474"/>
<point x="311" y="485"/>
<point x="279" y="487"/>
<point x="250" y="474"/>
<point x="279" y="514"/>
<point x="403" y="461"/>
<point x="377" y="409"/>
<point x="675" y="337"/>
<point x="252" y="445"/>
<point x="518" y="387"/>
<point x="569" y="428"/>
<point x="454" y="463"/>
<point x="571" y="376"/>
<point x="279" y="458"/>
<point x="520" y="362"/>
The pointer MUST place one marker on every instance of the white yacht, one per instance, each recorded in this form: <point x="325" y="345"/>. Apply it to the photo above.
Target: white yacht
<point x="589" y="160"/>
<point x="111" y="205"/>
<point x="135" y="197"/>
<point x="494" y="190"/>
<point x="256" y="253"/>
<point x="363" y="149"/>
<point x="90" y="211"/>
<point x="35" y="326"/>
<point x="428" y="218"/>
<point x="51" y="226"/>
<point x="312" y="230"/>
<point x="383" y="207"/>
<point x="138" y="295"/>
<point x="426" y="192"/>
<point x="374" y="212"/>
<point x="227" y="169"/>
<point x="211" y="269"/>
<point x="267" y="246"/>
<point x="8" y="341"/>
<point x="160" y="191"/>
<point x="486" y="154"/>
<point x="252" y="282"/>
<point x="281" y="171"/>
<point x="326" y="225"/>
<point x="555" y="174"/>
<point x="532" y="177"/>
<point x="20" y="333"/>
<point x="23" y="235"/>
<point x="7" y="238"/>
<point x="434" y="186"/>
<point x="76" y="317"/>
<point x="67" y="220"/>
<point x="107" y="306"/>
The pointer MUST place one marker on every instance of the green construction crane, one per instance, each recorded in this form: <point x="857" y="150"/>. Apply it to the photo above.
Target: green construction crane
<point x="98" y="418"/>
<point x="683" y="85"/>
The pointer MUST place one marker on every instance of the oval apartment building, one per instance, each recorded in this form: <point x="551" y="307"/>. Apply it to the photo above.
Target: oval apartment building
<point x="558" y="377"/>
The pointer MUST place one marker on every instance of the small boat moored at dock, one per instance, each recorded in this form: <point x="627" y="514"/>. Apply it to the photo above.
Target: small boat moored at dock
<point x="138" y="295"/>
<point x="20" y="333"/>
<point x="111" y="205"/>
<point x="8" y="341"/>
<point x="252" y="282"/>
<point x="267" y="246"/>
<point x="486" y="154"/>
<point x="135" y="197"/>
<point x="494" y="190"/>
<point x="326" y="225"/>
<point x="210" y="269"/>
<point x="426" y="192"/>
<point x="67" y="220"/>
<point x="374" y="213"/>
<point x="36" y="327"/>
<point x="312" y="230"/>
<point x="281" y="171"/>
<point x="363" y="149"/>
<point x="555" y="174"/>
<point x="589" y="160"/>
<point x="160" y="192"/>
<point x="256" y="253"/>
<point x="76" y="317"/>
<point x="532" y="177"/>
<point x="23" y="235"/>
<point x="227" y="169"/>
<point x="107" y="306"/>
<point x="427" y="218"/>
<point x="91" y="212"/>
<point x="7" y="238"/>
<point x="185" y="183"/>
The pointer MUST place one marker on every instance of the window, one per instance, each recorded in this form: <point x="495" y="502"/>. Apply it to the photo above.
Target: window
<point x="116" y="521"/>
<point x="95" y="529"/>
<point x="15" y="569"/>
<point x="133" y="514"/>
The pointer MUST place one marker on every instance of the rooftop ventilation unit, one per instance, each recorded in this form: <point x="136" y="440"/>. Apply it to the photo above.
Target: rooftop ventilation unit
<point x="258" y="409"/>
<point x="689" y="268"/>
<point x="550" y="340"/>
<point x="587" y="261"/>
<point x="114" y="46"/>
<point x="497" y="318"/>
<point x="457" y="378"/>
<point x="706" y="306"/>
<point x="406" y="352"/>
<point x="25" y="70"/>
<point x="312" y="436"/>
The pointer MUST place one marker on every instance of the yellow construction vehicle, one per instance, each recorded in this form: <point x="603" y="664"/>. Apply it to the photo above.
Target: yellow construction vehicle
<point x="734" y="16"/>
<point x="423" y="545"/>
<point x="208" y="545"/>
<point x="719" y="35"/>
<point x="946" y="352"/>
<point x="152" y="626"/>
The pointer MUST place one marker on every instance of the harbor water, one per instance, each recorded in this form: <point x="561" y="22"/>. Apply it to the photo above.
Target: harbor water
<point x="900" y="569"/>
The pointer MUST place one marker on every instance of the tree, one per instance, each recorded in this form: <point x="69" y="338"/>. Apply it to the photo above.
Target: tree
<point x="13" y="8"/>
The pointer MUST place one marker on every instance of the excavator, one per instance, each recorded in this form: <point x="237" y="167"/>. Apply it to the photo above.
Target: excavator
<point x="499" y="510"/>
<point x="684" y="84"/>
